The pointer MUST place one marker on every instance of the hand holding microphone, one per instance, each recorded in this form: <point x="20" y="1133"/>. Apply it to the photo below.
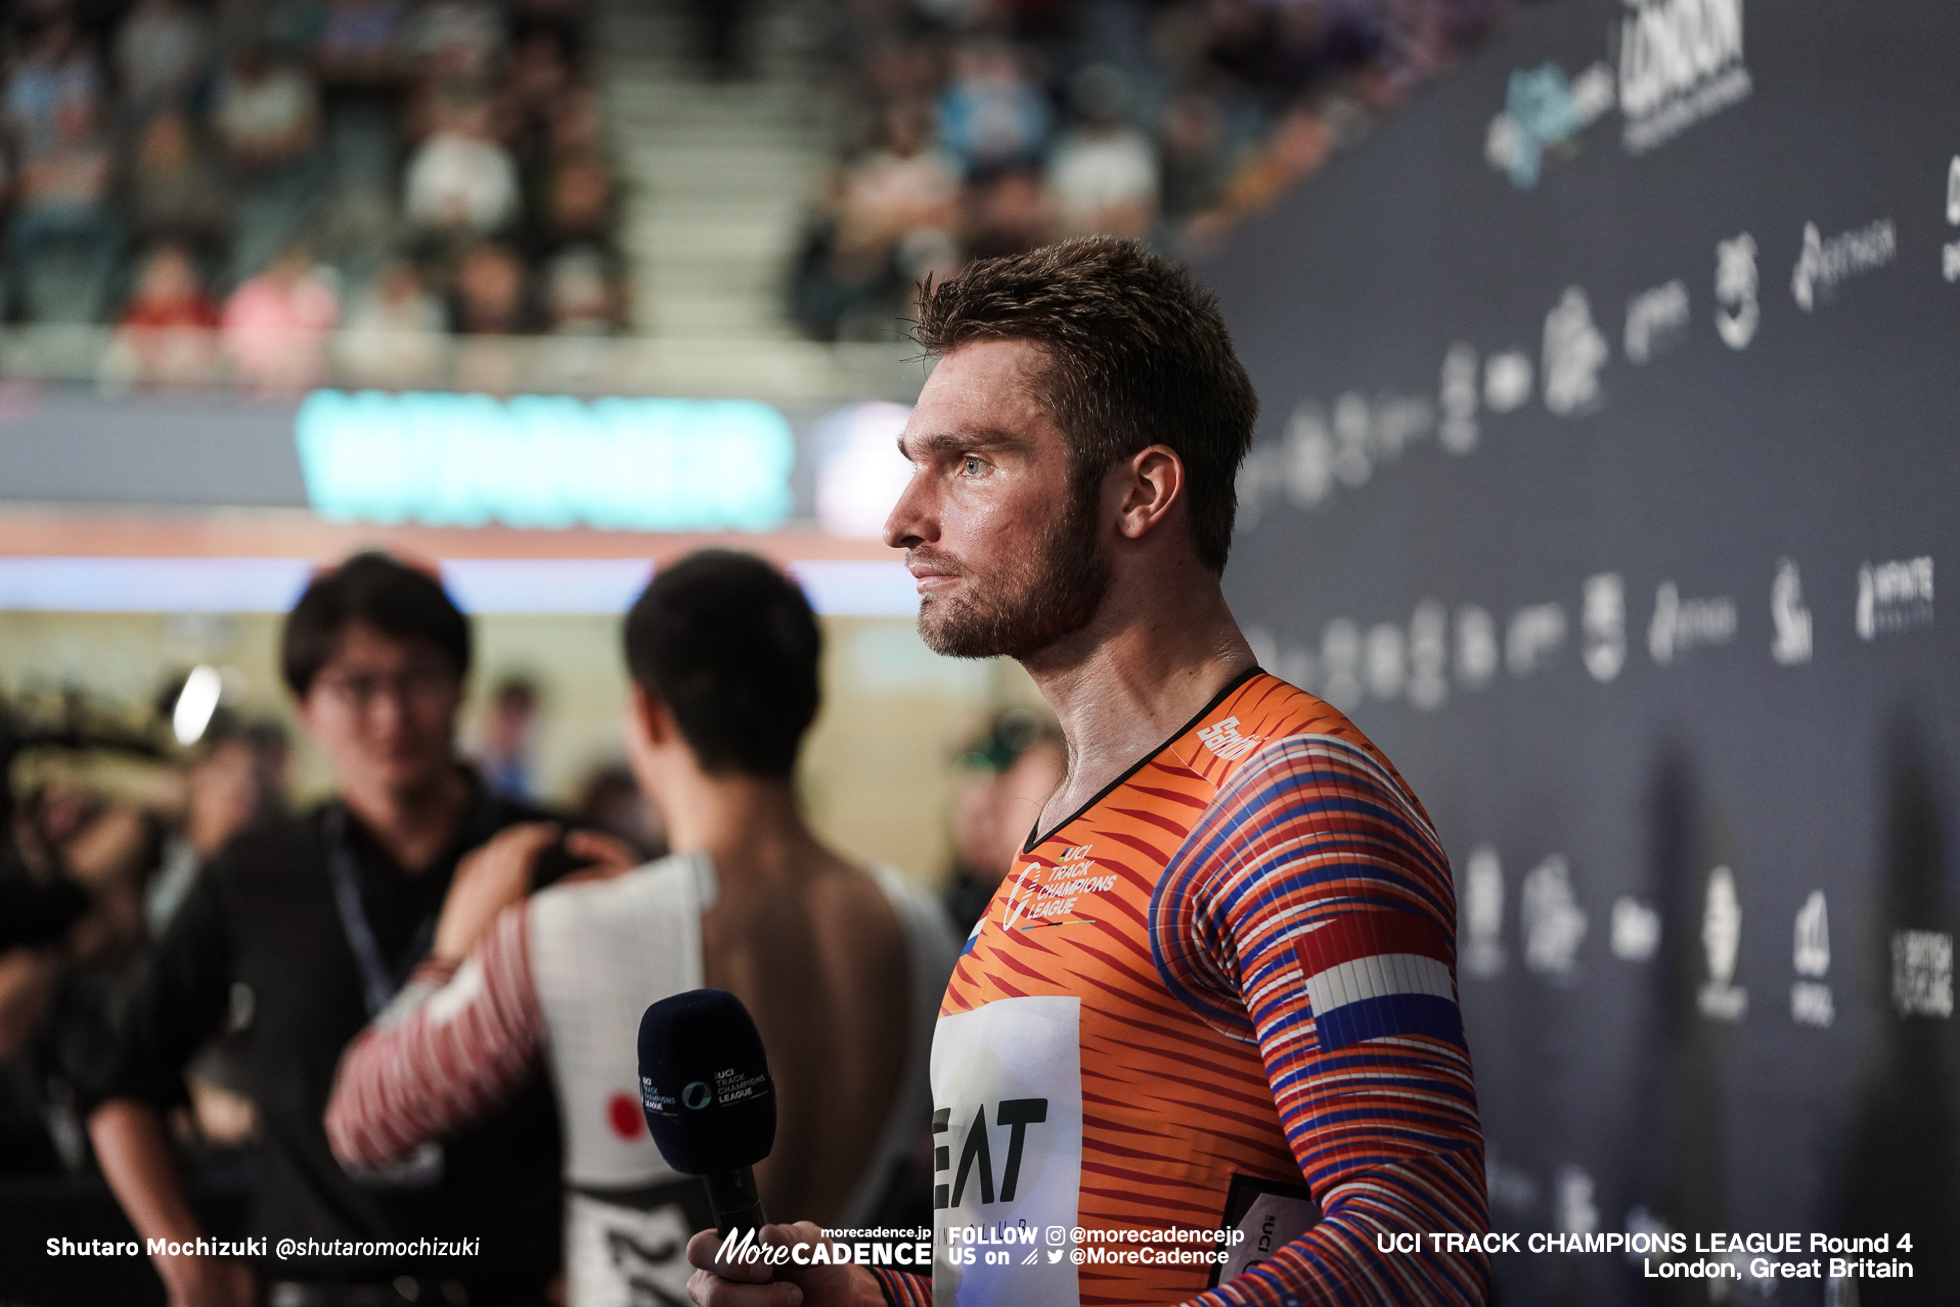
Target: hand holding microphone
<point x="711" y="1107"/>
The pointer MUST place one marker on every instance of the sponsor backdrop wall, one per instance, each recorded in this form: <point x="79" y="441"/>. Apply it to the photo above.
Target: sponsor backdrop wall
<point x="1612" y="440"/>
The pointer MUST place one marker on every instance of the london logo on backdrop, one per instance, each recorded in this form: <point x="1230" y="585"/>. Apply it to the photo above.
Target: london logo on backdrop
<point x="1673" y="64"/>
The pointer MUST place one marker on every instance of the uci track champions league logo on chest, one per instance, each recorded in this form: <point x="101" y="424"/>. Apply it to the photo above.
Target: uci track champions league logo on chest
<point x="1049" y="896"/>
<point x="1672" y="63"/>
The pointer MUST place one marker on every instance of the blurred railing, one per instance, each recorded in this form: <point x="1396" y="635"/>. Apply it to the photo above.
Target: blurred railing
<point x="121" y="361"/>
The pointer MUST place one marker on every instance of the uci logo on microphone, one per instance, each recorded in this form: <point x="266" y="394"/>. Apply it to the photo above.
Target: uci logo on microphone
<point x="697" y="1095"/>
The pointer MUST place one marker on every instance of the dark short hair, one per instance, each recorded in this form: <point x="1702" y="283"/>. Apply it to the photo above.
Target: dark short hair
<point x="730" y="645"/>
<point x="379" y="591"/>
<point x="1137" y="356"/>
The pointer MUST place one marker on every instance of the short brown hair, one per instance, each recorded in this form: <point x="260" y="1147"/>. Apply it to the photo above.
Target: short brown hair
<point x="1137" y="356"/>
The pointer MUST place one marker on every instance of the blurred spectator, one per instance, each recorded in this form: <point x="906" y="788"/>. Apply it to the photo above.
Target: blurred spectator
<point x="536" y="76"/>
<point x="903" y="185"/>
<point x="992" y="116"/>
<point x="489" y="291"/>
<point x="161" y="52"/>
<point x="275" y="324"/>
<point x="456" y="40"/>
<point x="1191" y="138"/>
<point x="62" y="209"/>
<point x="462" y="179"/>
<point x="236" y="776"/>
<point x="610" y="801"/>
<point x="58" y="71"/>
<point x="579" y="204"/>
<point x="897" y="202"/>
<point x="503" y="751"/>
<point x="1182" y="116"/>
<point x="1009" y="215"/>
<point x="582" y="293"/>
<point x="266" y="120"/>
<point x="318" y="918"/>
<point x="1002" y="784"/>
<point x="54" y="996"/>
<point x="267" y="114"/>
<point x="359" y="43"/>
<point x="576" y="122"/>
<point x="366" y="129"/>
<point x="1103" y="175"/>
<point x="393" y="335"/>
<point x="169" y="328"/>
<point x="171" y="188"/>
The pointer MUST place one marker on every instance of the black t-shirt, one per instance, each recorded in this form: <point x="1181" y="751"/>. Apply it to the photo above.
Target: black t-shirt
<point x="263" y="915"/>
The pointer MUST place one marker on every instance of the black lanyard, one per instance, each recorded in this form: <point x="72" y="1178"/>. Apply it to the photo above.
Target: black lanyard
<point x="379" y="981"/>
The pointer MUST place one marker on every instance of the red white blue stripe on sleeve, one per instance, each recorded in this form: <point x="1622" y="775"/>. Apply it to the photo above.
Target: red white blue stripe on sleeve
<point x="1373" y="975"/>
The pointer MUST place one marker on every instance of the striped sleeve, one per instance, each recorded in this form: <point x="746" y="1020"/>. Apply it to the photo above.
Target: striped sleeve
<point x="1311" y="911"/>
<point x="902" y="1289"/>
<point x="450" y="1050"/>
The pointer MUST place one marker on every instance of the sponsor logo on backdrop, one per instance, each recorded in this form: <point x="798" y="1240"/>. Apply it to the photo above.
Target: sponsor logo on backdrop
<point x="1418" y="660"/>
<point x="1894" y="597"/>
<point x="1791" y="643"/>
<point x="1738" y="312"/>
<point x="1382" y="661"/>
<point x="1603" y="626"/>
<point x="1483" y="913"/>
<point x="1657" y="320"/>
<point x="1507" y="381"/>
<point x="1636" y="930"/>
<point x="1950" y="252"/>
<point x="1553" y="923"/>
<point x="1429" y="655"/>
<point x="1680" y="63"/>
<point x="1681" y="624"/>
<point x="1577" y="1212"/>
<point x="1457" y="432"/>
<point x="1536" y="634"/>
<point x="1574" y="353"/>
<point x="1824" y="265"/>
<point x="1922" y="973"/>
<point x="1512" y="1188"/>
<point x="1544" y="113"/>
<point x="1340" y="664"/>
<point x="1319" y="450"/>
<point x="1476" y="647"/>
<point x="1810" y="1000"/>
<point x="1721" y="999"/>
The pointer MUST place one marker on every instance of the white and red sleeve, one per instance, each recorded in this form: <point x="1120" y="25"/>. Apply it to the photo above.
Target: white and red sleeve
<point x="457" y="1044"/>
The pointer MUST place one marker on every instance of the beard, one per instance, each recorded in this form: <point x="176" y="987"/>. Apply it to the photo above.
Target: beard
<point x="1031" y="601"/>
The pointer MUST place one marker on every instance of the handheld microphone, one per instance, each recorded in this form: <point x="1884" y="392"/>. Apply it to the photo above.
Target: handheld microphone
<point x="710" y="1104"/>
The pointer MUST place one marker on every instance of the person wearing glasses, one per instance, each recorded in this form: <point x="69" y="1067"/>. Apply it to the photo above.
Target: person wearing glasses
<point x="298" y="932"/>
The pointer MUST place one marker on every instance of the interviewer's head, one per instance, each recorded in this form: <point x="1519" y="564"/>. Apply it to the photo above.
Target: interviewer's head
<point x="375" y="653"/>
<point x="723" y="652"/>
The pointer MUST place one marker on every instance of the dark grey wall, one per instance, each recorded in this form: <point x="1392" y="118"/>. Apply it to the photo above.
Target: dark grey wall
<point x="1619" y="1090"/>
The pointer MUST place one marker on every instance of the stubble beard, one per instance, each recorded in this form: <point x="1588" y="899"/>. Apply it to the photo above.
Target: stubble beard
<point x="1031" y="602"/>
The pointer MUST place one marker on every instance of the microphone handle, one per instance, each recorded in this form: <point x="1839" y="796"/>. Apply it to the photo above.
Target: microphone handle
<point x="736" y="1202"/>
